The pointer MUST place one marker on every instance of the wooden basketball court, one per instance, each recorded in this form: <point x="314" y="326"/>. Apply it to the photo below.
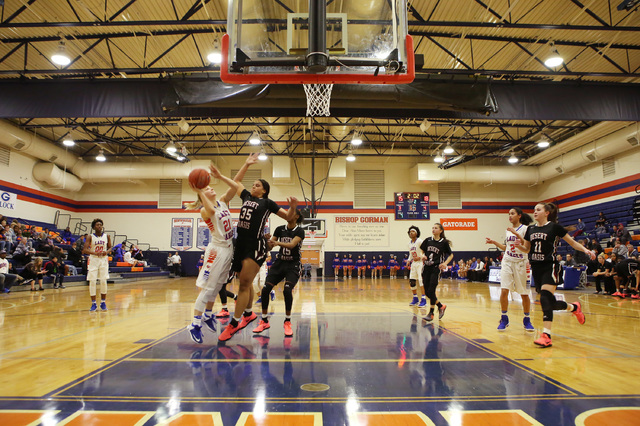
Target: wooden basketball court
<point x="359" y="355"/>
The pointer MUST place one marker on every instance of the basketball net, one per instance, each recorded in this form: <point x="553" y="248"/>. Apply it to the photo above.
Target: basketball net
<point x="318" y="99"/>
<point x="312" y="236"/>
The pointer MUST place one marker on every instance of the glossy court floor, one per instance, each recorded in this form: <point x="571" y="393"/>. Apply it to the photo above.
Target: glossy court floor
<point x="360" y="355"/>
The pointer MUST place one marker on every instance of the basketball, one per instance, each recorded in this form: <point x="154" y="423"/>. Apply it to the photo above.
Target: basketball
<point x="199" y="178"/>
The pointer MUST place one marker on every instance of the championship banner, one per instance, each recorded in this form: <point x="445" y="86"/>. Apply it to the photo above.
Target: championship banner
<point x="361" y="231"/>
<point x="181" y="233"/>
<point x="202" y="235"/>
<point x="8" y="201"/>
<point x="459" y="224"/>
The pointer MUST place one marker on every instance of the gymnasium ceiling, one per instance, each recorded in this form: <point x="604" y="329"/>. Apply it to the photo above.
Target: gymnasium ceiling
<point x="505" y="40"/>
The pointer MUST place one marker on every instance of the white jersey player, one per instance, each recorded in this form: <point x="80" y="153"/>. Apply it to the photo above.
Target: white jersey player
<point x="217" y="258"/>
<point x="513" y="271"/>
<point x="415" y="275"/>
<point x="98" y="247"/>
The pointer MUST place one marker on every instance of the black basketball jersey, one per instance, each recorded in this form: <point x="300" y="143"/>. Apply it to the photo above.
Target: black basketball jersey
<point x="435" y="251"/>
<point x="253" y="215"/>
<point x="544" y="240"/>
<point x="286" y="235"/>
<point x="626" y="267"/>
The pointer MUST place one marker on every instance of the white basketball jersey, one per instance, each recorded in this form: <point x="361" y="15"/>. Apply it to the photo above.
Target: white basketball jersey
<point x="511" y="252"/>
<point x="220" y="225"/>
<point x="414" y="250"/>
<point x="99" y="244"/>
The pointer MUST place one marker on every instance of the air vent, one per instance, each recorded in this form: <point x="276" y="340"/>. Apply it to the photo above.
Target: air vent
<point x="633" y="140"/>
<point x="608" y="168"/>
<point x="560" y="170"/>
<point x="18" y="144"/>
<point x="250" y="176"/>
<point x="368" y="189"/>
<point x="53" y="158"/>
<point x="591" y="156"/>
<point x="170" y="194"/>
<point x="5" y="155"/>
<point x="449" y="195"/>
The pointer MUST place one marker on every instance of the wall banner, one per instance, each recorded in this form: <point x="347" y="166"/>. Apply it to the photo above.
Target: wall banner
<point x="181" y="233"/>
<point x="8" y="201"/>
<point x="459" y="224"/>
<point x="362" y="231"/>
<point x="202" y="234"/>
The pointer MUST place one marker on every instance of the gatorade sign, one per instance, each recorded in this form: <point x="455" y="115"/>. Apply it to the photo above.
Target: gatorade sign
<point x="8" y="200"/>
<point x="459" y="224"/>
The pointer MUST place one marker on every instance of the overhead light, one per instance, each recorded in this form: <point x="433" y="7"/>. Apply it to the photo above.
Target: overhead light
<point x="424" y="126"/>
<point x="351" y="157"/>
<point x="180" y="158"/>
<point x="448" y="149"/>
<point x="254" y="139"/>
<point x="60" y="57"/>
<point x="100" y="156"/>
<point x="214" y="58"/>
<point x="357" y="140"/>
<point x="438" y="158"/>
<point x="171" y="148"/>
<point x="543" y="143"/>
<point x="68" y="142"/>
<point x="262" y="156"/>
<point x="554" y="60"/>
<point x="513" y="159"/>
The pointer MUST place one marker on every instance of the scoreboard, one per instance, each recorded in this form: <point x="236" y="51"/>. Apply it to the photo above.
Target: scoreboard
<point x="412" y="205"/>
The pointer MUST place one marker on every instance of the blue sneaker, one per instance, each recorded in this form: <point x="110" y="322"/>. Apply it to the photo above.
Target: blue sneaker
<point x="423" y="303"/>
<point x="259" y="301"/>
<point x="195" y="332"/>
<point x="504" y="323"/>
<point x="527" y="324"/>
<point x="94" y="307"/>
<point x="210" y="322"/>
<point x="6" y="290"/>
<point x="414" y="301"/>
<point x="273" y="295"/>
<point x="103" y="306"/>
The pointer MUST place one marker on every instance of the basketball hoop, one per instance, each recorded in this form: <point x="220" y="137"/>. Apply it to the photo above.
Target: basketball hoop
<point x="318" y="99"/>
<point x="312" y="237"/>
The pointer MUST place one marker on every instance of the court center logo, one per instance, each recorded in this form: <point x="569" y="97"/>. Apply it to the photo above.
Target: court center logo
<point x="8" y="200"/>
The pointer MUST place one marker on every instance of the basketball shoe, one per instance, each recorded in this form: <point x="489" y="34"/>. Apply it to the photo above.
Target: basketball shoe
<point x="262" y="326"/>
<point x="423" y="303"/>
<point x="526" y="321"/>
<point x="229" y="331"/>
<point x="441" y="310"/>
<point x="224" y="313"/>
<point x="246" y="320"/>
<point x="103" y="306"/>
<point x="414" y="301"/>
<point x="544" y="341"/>
<point x="210" y="322"/>
<point x="94" y="307"/>
<point x="288" y="332"/>
<point x="504" y="323"/>
<point x="195" y="332"/>
<point x="578" y="313"/>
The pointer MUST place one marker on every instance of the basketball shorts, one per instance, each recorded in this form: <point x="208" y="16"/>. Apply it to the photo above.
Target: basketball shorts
<point x="256" y="250"/>
<point x="215" y="269"/>
<point x="626" y="268"/>
<point x="513" y="276"/>
<point x="284" y="270"/>
<point x="416" y="272"/>
<point x="98" y="268"/>
<point x="545" y="273"/>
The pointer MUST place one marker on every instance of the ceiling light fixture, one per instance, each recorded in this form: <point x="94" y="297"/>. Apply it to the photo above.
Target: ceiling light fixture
<point x="68" y="142"/>
<point x="543" y="143"/>
<point x="513" y="159"/>
<point x="438" y="158"/>
<point x="554" y="60"/>
<point x="262" y="156"/>
<point x="351" y="157"/>
<point x="254" y="139"/>
<point x="357" y="140"/>
<point x="100" y="157"/>
<point x="448" y="149"/>
<point x="171" y="148"/>
<point x="215" y="57"/>
<point x="60" y="57"/>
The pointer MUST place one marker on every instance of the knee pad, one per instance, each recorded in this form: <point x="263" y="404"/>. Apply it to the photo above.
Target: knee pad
<point x="92" y="288"/>
<point x="266" y="290"/>
<point x="103" y="286"/>
<point x="547" y="301"/>
<point x="413" y="284"/>
<point x="288" y="296"/>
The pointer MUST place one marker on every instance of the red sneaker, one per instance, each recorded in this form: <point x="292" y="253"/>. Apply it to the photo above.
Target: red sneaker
<point x="544" y="341"/>
<point x="287" y="329"/>
<point x="246" y="320"/>
<point x="578" y="313"/>
<point x="224" y="313"/>
<point x="262" y="326"/>
<point x="228" y="331"/>
<point x="617" y="294"/>
<point x="441" y="311"/>
<point x="635" y="296"/>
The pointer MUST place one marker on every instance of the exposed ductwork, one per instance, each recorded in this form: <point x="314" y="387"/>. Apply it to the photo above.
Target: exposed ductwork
<point x="608" y="146"/>
<point x="55" y="177"/>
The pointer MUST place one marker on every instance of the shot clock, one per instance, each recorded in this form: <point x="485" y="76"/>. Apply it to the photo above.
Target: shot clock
<point x="411" y="205"/>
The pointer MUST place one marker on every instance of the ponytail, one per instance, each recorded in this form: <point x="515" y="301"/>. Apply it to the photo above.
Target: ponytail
<point x="525" y="219"/>
<point x="196" y="205"/>
<point x="553" y="211"/>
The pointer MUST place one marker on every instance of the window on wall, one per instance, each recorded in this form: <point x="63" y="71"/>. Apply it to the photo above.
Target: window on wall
<point x="170" y="194"/>
<point x="449" y="195"/>
<point x="368" y="189"/>
<point x="249" y="177"/>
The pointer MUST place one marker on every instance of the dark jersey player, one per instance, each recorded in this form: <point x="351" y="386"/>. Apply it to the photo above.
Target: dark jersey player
<point x="436" y="255"/>
<point x="251" y="246"/>
<point x="624" y="270"/>
<point x="540" y="242"/>
<point x="286" y="266"/>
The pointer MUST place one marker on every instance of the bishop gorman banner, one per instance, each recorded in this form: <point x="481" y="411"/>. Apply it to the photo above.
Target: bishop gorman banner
<point x="459" y="224"/>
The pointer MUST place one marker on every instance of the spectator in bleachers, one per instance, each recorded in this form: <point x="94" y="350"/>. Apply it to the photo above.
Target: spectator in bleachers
<point x="620" y="250"/>
<point x="118" y="251"/>
<point x="53" y="269"/>
<point x="631" y="250"/>
<point x="595" y="246"/>
<point x="76" y="258"/>
<point x="570" y="261"/>
<point x="462" y="270"/>
<point x="474" y="275"/>
<point x="7" y="276"/>
<point x="128" y="257"/>
<point x="3" y="239"/>
<point x="601" y="221"/>
<point x="23" y="254"/>
<point x="68" y="236"/>
<point x="580" y="257"/>
<point x="624" y="234"/>
<point x="579" y="228"/>
<point x="32" y="273"/>
<point x="602" y="274"/>
<point x="11" y="238"/>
